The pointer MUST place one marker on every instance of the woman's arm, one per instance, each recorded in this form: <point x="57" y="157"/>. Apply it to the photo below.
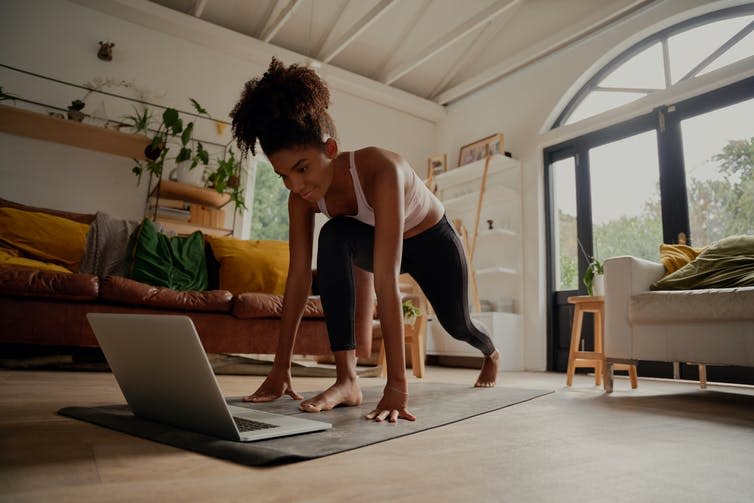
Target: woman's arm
<point x="386" y="181"/>
<point x="297" y="287"/>
<point x="299" y="281"/>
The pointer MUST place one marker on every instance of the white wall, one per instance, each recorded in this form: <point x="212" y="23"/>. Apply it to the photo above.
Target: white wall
<point x="520" y="106"/>
<point x="59" y="39"/>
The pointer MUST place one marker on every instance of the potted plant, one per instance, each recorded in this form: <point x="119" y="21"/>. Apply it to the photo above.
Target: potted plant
<point x="75" y="110"/>
<point x="594" y="276"/>
<point x="156" y="152"/>
<point x="410" y="312"/>
<point x="139" y="122"/>
<point x="226" y="179"/>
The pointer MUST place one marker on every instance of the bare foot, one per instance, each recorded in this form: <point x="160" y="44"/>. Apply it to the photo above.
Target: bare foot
<point x="488" y="375"/>
<point x="341" y="393"/>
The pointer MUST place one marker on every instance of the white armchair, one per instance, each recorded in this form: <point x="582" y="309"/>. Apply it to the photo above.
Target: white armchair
<point x="712" y="326"/>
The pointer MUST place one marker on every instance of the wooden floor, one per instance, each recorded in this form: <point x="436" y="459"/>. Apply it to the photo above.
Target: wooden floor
<point x="665" y="441"/>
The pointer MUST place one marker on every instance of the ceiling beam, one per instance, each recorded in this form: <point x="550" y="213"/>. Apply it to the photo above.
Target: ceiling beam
<point x="329" y="30"/>
<point x="449" y="39"/>
<point x="199" y="6"/>
<point x="549" y="46"/>
<point x="479" y="44"/>
<point x="397" y="49"/>
<point x="271" y="28"/>
<point x="330" y="50"/>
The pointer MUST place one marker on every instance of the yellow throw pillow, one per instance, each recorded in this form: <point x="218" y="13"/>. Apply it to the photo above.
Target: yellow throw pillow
<point x="674" y="257"/>
<point x="11" y="257"/>
<point x="251" y="266"/>
<point x="43" y="237"/>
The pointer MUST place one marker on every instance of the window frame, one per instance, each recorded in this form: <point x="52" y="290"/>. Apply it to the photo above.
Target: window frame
<point x="658" y="37"/>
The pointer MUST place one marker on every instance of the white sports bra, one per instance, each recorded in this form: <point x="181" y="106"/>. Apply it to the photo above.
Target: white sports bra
<point x="417" y="201"/>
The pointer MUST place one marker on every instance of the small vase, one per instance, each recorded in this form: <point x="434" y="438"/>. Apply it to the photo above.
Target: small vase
<point x="76" y="115"/>
<point x="598" y="285"/>
<point x="184" y="174"/>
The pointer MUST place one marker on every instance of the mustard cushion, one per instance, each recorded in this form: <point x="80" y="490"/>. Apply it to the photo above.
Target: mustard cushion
<point x="251" y="266"/>
<point x="674" y="257"/>
<point x="43" y="237"/>
<point x="11" y="257"/>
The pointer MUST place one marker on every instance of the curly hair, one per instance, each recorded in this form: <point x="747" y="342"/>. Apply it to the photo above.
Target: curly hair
<point x="286" y="108"/>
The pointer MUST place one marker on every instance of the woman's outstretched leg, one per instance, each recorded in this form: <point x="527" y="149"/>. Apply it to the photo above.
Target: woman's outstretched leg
<point x="436" y="260"/>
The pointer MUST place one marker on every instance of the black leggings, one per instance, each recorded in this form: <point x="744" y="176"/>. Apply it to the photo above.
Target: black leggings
<point x="434" y="258"/>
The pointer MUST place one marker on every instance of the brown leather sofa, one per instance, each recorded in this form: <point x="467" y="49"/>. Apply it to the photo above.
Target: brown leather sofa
<point x="40" y="307"/>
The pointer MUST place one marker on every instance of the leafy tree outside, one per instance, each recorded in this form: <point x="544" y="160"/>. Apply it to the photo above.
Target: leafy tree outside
<point x="269" y="218"/>
<point x="717" y="208"/>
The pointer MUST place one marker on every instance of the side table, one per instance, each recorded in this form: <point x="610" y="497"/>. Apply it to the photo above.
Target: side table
<point x="591" y="359"/>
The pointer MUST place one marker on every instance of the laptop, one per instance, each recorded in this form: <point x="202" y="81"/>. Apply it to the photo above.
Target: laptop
<point x="165" y="376"/>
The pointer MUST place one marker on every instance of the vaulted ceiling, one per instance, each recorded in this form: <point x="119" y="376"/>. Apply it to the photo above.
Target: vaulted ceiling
<point x="439" y="50"/>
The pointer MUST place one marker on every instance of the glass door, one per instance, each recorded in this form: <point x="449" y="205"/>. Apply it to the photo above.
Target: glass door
<point x="684" y="172"/>
<point x="718" y="151"/>
<point x="625" y="197"/>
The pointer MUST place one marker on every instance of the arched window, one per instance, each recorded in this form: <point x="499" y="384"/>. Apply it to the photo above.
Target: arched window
<point x="680" y="170"/>
<point x="661" y="61"/>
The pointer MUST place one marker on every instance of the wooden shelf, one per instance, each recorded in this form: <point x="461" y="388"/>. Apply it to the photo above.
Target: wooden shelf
<point x="20" y="122"/>
<point x="191" y="194"/>
<point x="184" y="228"/>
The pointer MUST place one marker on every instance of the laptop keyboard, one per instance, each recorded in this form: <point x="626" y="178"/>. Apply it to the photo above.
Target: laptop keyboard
<point x="249" y="425"/>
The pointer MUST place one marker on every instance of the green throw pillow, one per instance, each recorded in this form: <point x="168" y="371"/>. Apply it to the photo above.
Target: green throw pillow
<point x="729" y="263"/>
<point x="178" y="262"/>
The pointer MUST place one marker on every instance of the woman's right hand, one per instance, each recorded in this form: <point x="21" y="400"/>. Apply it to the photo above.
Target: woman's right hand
<point x="276" y="385"/>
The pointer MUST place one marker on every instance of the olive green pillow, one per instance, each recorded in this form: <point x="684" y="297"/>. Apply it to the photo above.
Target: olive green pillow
<point x="729" y="263"/>
<point x="174" y="262"/>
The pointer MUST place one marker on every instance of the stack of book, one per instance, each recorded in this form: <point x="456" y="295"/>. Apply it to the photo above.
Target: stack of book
<point x="171" y="209"/>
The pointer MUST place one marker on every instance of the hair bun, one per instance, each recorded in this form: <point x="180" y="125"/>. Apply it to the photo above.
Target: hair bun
<point x="286" y="107"/>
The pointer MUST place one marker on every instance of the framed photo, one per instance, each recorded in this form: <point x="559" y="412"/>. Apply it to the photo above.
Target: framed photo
<point x="436" y="164"/>
<point x="481" y="149"/>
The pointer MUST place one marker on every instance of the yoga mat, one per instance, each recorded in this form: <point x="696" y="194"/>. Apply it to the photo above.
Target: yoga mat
<point x="435" y="404"/>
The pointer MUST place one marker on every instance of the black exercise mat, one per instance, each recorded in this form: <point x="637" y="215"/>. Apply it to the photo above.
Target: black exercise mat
<point x="434" y="404"/>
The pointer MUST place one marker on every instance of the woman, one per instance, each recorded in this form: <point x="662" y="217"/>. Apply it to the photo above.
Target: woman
<point x="383" y="220"/>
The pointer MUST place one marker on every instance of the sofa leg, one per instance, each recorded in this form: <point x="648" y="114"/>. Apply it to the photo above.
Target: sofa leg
<point x="702" y="376"/>
<point x="608" y="376"/>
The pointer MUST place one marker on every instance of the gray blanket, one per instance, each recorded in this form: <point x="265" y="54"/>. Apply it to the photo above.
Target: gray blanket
<point x="106" y="246"/>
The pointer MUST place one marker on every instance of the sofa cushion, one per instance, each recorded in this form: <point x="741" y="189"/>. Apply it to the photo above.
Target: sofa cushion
<point x="251" y="266"/>
<point x="84" y="218"/>
<point x="265" y="305"/>
<point x="28" y="282"/>
<point x="729" y="263"/>
<point x="177" y="263"/>
<point x="107" y="246"/>
<point x="127" y="291"/>
<point x="11" y="257"/>
<point x="675" y="256"/>
<point x="44" y="237"/>
<point x="688" y="306"/>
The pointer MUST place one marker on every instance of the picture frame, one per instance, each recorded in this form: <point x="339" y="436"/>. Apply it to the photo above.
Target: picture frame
<point x="480" y="149"/>
<point x="436" y="164"/>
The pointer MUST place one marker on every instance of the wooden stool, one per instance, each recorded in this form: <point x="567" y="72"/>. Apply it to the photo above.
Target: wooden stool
<point x="414" y="338"/>
<point x="414" y="334"/>
<point x="592" y="359"/>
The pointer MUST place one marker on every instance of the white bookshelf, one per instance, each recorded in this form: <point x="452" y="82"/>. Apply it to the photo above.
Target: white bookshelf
<point x="497" y="257"/>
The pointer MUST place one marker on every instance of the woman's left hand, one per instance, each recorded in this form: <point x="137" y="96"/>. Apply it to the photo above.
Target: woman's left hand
<point x="392" y="406"/>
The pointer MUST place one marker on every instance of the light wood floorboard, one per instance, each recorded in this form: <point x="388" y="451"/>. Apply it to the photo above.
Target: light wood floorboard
<point x="666" y="441"/>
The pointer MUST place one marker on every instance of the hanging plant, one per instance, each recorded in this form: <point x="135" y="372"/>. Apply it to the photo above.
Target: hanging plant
<point x="226" y="179"/>
<point x="171" y="127"/>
